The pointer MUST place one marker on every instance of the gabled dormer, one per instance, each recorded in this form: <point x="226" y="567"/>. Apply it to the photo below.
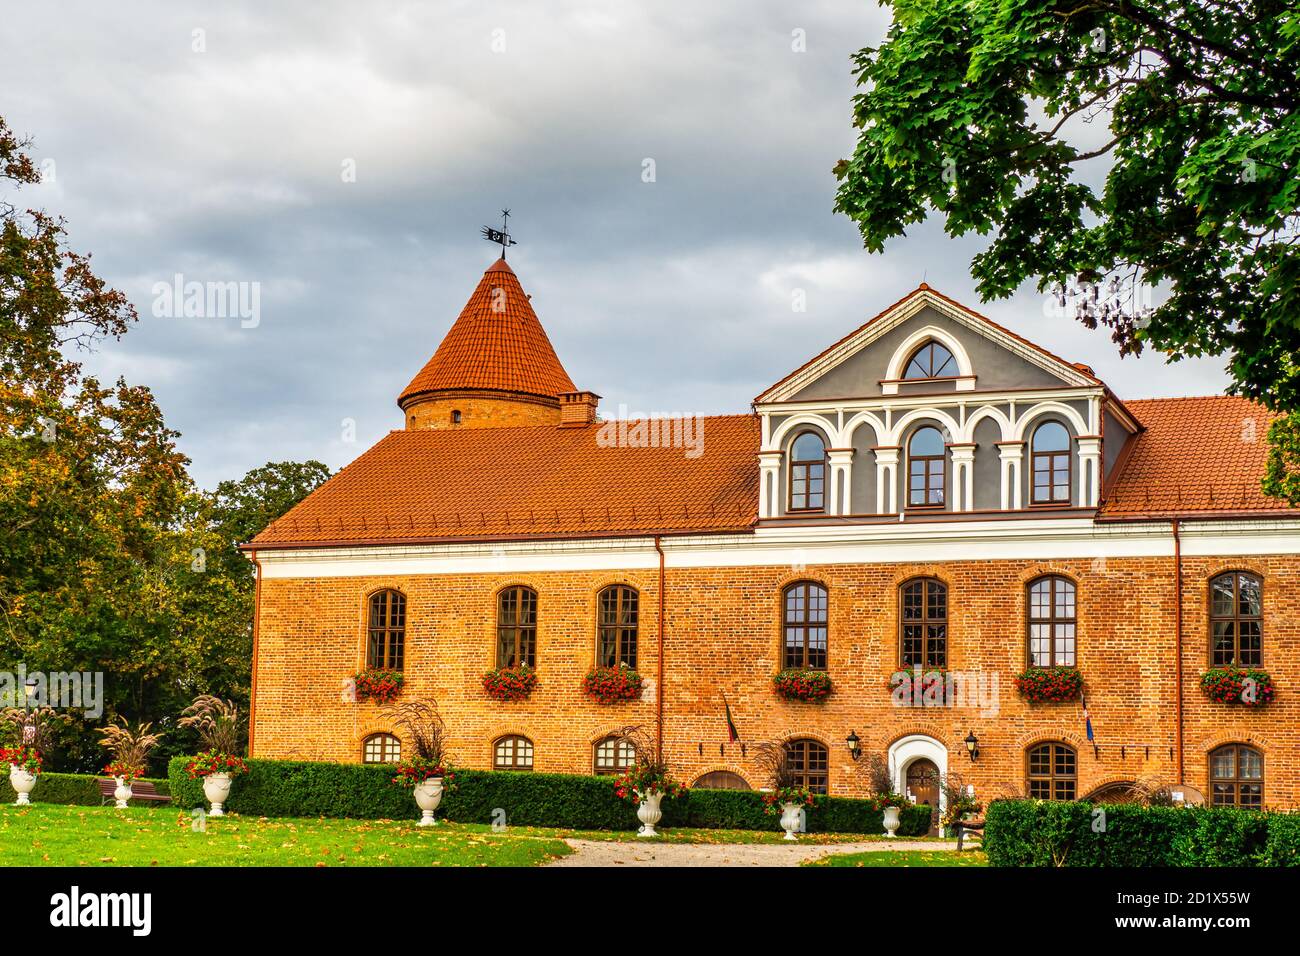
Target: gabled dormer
<point x="931" y="410"/>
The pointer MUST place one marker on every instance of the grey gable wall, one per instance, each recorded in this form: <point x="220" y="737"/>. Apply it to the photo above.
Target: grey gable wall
<point x="995" y="367"/>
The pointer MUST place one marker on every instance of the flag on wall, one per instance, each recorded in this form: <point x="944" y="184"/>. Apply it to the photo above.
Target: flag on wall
<point x="1087" y="720"/>
<point x="732" y="734"/>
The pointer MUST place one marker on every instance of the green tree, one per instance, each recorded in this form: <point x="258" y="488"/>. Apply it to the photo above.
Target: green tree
<point x="111" y="560"/>
<point x="1108" y="148"/>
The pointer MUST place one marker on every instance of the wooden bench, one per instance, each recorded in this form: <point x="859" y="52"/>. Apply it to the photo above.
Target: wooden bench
<point x="141" y="790"/>
<point x="961" y="826"/>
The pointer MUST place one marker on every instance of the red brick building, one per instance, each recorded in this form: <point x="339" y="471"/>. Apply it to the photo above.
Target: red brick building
<point x="930" y="491"/>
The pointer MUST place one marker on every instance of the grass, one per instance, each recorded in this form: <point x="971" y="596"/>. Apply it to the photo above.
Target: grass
<point x="904" y="858"/>
<point x="50" y="835"/>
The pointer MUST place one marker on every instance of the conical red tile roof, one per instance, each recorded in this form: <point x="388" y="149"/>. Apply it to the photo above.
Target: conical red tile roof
<point x="497" y="344"/>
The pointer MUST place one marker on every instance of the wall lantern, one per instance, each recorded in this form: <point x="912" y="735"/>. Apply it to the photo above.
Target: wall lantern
<point x="972" y="746"/>
<point x="855" y="745"/>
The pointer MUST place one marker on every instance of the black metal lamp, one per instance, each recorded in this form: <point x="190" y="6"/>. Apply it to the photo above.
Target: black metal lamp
<point x="854" y="744"/>
<point x="972" y="746"/>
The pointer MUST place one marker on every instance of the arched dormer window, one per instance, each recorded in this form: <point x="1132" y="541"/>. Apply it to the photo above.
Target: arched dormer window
<point x="808" y="473"/>
<point x="386" y="634"/>
<point x="931" y="360"/>
<point x="926" y="458"/>
<point x="1049" y="453"/>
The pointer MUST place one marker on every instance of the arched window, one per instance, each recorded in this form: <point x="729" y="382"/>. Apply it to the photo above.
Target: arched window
<point x="517" y="627"/>
<point x="923" y="623"/>
<point x="808" y="762"/>
<point x="1236" y="620"/>
<point x="1236" y="776"/>
<point x="512" y="753"/>
<point x="720" y="780"/>
<point x="931" y="360"/>
<point x="1049" y="455"/>
<point x="381" y="748"/>
<point x="804" y="623"/>
<point x="808" y="473"/>
<point x="614" y="755"/>
<point x="925" y="468"/>
<point x="386" y="635"/>
<point x="1052" y="622"/>
<point x="616" y="626"/>
<point x="1052" y="772"/>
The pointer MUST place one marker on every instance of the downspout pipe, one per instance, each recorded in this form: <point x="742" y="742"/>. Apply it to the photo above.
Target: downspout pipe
<point x="659" y="681"/>
<point x="1178" y="650"/>
<point x="257" y="617"/>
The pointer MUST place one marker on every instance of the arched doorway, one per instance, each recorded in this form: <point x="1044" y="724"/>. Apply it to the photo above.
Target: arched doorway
<point x="1121" y="791"/>
<point x="917" y="764"/>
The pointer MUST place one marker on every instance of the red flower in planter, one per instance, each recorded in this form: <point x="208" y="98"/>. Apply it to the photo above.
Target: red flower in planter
<point x="510" y="683"/>
<point x="381" y="686"/>
<point x="1050" y="684"/>
<point x="611" y="684"/>
<point x="1237" y="685"/>
<point x="800" y="684"/>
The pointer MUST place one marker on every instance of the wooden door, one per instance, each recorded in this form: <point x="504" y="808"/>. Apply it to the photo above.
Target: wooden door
<point x="923" y="784"/>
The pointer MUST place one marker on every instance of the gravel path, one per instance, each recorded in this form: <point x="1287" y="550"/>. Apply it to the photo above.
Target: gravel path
<point x="627" y="853"/>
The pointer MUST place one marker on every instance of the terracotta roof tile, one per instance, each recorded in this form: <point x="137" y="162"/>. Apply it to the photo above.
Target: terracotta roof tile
<point x="536" y="482"/>
<point x="1197" y="455"/>
<point x="496" y="343"/>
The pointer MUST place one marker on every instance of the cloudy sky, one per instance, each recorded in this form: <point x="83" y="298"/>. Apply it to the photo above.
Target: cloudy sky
<point x="217" y="142"/>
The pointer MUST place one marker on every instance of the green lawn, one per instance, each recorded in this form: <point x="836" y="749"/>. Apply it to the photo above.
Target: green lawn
<point x="50" y="835"/>
<point x="904" y="858"/>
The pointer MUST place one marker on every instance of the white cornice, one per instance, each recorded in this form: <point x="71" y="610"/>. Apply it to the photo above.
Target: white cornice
<point x="916" y="542"/>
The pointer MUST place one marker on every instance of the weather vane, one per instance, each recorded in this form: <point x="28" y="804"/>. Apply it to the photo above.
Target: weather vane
<point x="500" y="236"/>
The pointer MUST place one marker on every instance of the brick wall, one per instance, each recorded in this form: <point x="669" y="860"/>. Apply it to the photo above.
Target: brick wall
<point x="723" y="636"/>
<point x="477" y="411"/>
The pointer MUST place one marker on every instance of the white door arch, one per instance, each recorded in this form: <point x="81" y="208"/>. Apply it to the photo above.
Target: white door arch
<point x="907" y="750"/>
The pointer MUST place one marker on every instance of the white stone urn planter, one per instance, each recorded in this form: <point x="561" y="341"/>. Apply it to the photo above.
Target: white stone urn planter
<point x="428" y="794"/>
<point x="216" y="787"/>
<point x="23" y="782"/>
<point x="891" y="821"/>
<point x="791" y="818"/>
<point x="649" y="813"/>
<point x="122" y="793"/>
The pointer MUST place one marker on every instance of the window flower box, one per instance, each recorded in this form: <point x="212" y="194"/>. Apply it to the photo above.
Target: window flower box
<point x="381" y="686"/>
<point x="609" y="685"/>
<point x="510" y="683"/>
<point x="1041" y="685"/>
<point x="803" y="684"/>
<point x="1249" y="687"/>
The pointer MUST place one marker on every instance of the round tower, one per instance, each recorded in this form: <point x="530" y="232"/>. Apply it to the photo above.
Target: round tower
<point x="495" y="367"/>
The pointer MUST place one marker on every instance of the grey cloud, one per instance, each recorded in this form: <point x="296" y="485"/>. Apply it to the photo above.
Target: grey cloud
<point x="664" y="296"/>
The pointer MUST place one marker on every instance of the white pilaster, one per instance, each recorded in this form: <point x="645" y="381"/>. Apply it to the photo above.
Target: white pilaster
<point x="769" y="483"/>
<point x="963" y="477"/>
<point x="886" y="479"/>
<point x="1089" y="471"/>
<point x="841" y="461"/>
<point x="1012" y="456"/>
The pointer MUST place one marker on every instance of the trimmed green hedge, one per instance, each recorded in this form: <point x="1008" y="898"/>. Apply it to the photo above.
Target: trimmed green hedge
<point x="72" y="788"/>
<point x="1049" y="833"/>
<point x="281" y="788"/>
